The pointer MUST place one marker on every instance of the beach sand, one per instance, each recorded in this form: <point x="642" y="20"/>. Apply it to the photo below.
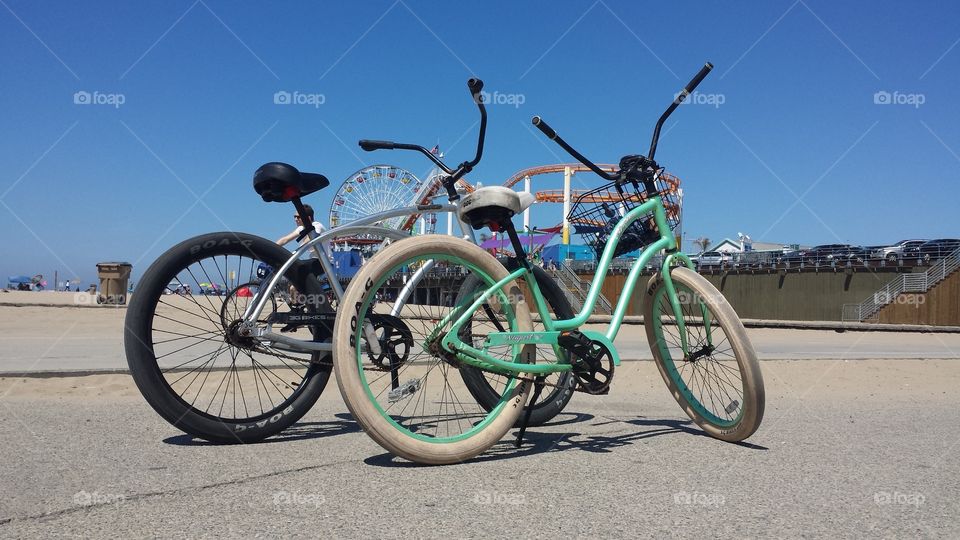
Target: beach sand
<point x="59" y="333"/>
<point x="51" y="298"/>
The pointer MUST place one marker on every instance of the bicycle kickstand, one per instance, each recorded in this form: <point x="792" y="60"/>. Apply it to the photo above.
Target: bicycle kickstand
<point x="538" y="385"/>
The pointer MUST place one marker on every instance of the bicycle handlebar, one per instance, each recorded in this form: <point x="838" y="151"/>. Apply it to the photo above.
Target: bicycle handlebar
<point x="546" y="129"/>
<point x="698" y="78"/>
<point x="552" y="135"/>
<point x="475" y="86"/>
<point x="687" y="90"/>
<point x="370" y="146"/>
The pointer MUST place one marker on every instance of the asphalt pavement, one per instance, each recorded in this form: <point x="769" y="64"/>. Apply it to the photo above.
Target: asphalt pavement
<point x="848" y="448"/>
<point x="75" y="340"/>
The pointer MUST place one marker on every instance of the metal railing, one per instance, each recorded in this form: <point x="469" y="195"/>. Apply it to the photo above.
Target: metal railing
<point x="773" y="260"/>
<point x="918" y="282"/>
<point x="575" y="289"/>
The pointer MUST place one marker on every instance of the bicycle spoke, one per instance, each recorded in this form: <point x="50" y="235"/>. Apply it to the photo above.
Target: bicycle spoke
<point x="715" y="385"/>
<point x="438" y="404"/>
<point x="190" y="337"/>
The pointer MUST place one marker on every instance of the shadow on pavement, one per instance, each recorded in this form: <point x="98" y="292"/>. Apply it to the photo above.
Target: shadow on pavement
<point x="688" y="427"/>
<point x="299" y="431"/>
<point x="543" y="442"/>
<point x="563" y="418"/>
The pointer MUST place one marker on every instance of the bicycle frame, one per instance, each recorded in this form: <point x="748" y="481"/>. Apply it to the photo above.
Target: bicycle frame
<point x="481" y="359"/>
<point x="365" y="225"/>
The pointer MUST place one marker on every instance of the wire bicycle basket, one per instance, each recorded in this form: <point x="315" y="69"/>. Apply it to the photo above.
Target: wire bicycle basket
<point x="596" y="213"/>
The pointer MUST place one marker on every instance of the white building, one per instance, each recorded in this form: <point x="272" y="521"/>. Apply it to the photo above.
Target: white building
<point x="746" y="245"/>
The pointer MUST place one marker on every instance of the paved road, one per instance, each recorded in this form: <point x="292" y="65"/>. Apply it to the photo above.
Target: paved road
<point x="848" y="448"/>
<point x="38" y="338"/>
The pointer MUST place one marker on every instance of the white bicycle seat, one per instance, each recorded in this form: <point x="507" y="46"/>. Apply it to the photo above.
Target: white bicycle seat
<point x="493" y="204"/>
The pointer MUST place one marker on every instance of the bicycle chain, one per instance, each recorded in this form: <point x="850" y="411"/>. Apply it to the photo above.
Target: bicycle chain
<point x="278" y="354"/>
<point x="576" y="387"/>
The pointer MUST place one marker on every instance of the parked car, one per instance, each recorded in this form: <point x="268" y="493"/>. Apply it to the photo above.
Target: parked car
<point x="790" y="256"/>
<point x="937" y="249"/>
<point x="825" y="254"/>
<point x="657" y="261"/>
<point x="175" y="287"/>
<point x="828" y="252"/>
<point x="848" y="253"/>
<point x="819" y="253"/>
<point x="903" y="249"/>
<point x="713" y="258"/>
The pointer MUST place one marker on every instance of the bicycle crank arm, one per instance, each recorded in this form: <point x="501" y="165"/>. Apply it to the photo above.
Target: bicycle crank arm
<point x="373" y="343"/>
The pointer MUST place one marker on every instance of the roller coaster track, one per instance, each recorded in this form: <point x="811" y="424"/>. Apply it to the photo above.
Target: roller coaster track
<point x="558" y="168"/>
<point x="430" y="193"/>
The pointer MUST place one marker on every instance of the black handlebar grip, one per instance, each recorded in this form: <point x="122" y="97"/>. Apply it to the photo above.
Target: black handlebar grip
<point x="475" y="86"/>
<point x="698" y="78"/>
<point x="369" y="146"/>
<point x="547" y="130"/>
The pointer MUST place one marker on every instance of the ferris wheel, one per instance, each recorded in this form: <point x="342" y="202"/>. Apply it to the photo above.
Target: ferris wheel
<point x="374" y="189"/>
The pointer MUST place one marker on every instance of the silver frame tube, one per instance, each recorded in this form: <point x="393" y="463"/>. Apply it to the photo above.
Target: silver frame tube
<point x="367" y="225"/>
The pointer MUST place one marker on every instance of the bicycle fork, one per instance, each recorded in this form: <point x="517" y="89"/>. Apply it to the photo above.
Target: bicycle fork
<point x="677" y="308"/>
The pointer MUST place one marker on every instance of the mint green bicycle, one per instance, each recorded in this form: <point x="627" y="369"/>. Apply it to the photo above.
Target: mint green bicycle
<point x="471" y="315"/>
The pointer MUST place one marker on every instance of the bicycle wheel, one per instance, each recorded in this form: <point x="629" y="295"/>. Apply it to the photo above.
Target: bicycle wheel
<point x="189" y="361"/>
<point x="415" y="405"/>
<point x="718" y="384"/>
<point x="486" y="388"/>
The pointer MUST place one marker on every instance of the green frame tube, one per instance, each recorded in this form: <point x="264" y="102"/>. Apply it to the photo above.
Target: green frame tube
<point x="667" y="242"/>
<point x="675" y="300"/>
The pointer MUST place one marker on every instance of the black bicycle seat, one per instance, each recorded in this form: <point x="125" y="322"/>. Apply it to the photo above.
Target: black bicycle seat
<point x="280" y="182"/>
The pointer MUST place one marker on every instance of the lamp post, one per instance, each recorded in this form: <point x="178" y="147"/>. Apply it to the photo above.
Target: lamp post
<point x="530" y="233"/>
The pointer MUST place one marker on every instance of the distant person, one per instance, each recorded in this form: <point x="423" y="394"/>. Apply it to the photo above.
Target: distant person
<point x="297" y="303"/>
<point x="296" y="232"/>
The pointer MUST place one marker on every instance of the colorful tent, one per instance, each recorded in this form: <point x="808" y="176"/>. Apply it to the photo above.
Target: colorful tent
<point x="244" y="292"/>
<point x="535" y="241"/>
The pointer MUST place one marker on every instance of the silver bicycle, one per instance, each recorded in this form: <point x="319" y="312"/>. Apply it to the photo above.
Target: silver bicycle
<point x="242" y="362"/>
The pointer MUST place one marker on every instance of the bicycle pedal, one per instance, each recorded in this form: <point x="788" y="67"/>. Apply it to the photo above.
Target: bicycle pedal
<point x="592" y="362"/>
<point x="732" y="406"/>
<point x="405" y="390"/>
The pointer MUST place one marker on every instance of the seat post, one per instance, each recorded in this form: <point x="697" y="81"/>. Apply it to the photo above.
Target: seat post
<point x="521" y="254"/>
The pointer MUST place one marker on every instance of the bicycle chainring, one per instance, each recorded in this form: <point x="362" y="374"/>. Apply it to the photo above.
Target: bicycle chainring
<point x="396" y="342"/>
<point x="592" y="362"/>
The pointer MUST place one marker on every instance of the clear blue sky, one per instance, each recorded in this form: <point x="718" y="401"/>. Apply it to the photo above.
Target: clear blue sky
<point x="87" y="183"/>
